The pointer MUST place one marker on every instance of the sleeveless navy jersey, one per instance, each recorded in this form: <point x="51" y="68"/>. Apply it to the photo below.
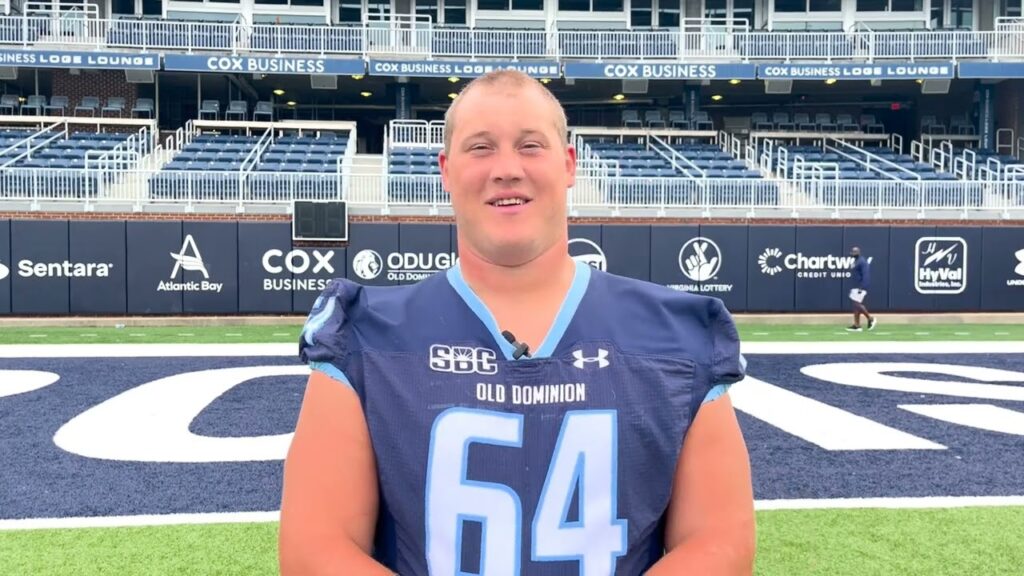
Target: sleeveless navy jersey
<point x="556" y="464"/>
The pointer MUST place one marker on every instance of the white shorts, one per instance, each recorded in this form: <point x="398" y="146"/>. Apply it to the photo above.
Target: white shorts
<point x="857" y="295"/>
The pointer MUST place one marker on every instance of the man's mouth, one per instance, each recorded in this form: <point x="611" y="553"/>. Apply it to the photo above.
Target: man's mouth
<point x="509" y="202"/>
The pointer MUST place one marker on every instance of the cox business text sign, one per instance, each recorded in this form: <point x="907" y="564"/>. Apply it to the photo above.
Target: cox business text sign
<point x="854" y="71"/>
<point x="65" y="59"/>
<point x="465" y="69"/>
<point x="263" y="64"/>
<point x="659" y="71"/>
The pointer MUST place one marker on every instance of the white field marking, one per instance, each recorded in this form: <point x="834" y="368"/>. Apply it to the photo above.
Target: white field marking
<point x="88" y="335"/>
<point x="232" y="334"/>
<point x="274" y="516"/>
<point x="961" y="333"/>
<point x="287" y="349"/>
<point x="138" y="334"/>
<point x="185" y="334"/>
<point x="801" y="333"/>
<point x="281" y="334"/>
<point x="37" y="335"/>
<point x="1002" y="333"/>
<point x="884" y="333"/>
<point x="983" y="416"/>
<point x="142" y="520"/>
<point x="890" y="503"/>
<point x="762" y="333"/>
<point x="20" y="381"/>
<point x="922" y="333"/>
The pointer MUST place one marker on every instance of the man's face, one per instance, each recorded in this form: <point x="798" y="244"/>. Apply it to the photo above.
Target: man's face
<point x="508" y="172"/>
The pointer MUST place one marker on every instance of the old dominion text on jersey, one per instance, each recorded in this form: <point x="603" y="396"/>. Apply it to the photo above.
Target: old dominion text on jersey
<point x="560" y="463"/>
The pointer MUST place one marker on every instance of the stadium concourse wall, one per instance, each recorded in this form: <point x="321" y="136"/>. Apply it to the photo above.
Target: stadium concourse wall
<point x="59" y="264"/>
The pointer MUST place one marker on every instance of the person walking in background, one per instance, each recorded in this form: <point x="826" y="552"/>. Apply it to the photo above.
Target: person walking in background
<point x="859" y="293"/>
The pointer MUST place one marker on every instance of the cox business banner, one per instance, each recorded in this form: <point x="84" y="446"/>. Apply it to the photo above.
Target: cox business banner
<point x="1000" y="70"/>
<point x="662" y="71"/>
<point x="65" y="59"/>
<point x="263" y="64"/>
<point x="464" y="69"/>
<point x="856" y="71"/>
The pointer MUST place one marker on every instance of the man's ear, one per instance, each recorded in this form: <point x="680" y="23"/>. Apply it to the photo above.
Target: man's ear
<point x="570" y="164"/>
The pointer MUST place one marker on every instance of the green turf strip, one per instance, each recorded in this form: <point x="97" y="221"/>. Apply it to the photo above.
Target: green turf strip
<point x="953" y="542"/>
<point x="290" y="334"/>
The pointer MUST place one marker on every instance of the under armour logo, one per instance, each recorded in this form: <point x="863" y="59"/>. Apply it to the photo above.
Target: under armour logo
<point x="581" y="360"/>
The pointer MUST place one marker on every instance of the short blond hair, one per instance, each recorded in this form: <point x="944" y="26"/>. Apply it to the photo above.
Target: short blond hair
<point x="514" y="79"/>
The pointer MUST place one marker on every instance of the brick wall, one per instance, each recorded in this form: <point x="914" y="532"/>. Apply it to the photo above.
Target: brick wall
<point x="100" y="83"/>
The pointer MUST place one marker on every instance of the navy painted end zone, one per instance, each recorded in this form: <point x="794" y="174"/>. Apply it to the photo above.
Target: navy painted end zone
<point x="41" y="480"/>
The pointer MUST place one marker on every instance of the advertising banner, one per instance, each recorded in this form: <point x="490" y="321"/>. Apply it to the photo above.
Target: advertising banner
<point x="857" y="71"/>
<point x="729" y="282"/>
<point x="873" y="242"/>
<point x="1002" y="269"/>
<point x="954" y="261"/>
<point x="368" y="251"/>
<point x="265" y="265"/>
<point x="628" y="250"/>
<point x="772" y="267"/>
<point x="100" y="243"/>
<point x="206" y="268"/>
<point x="423" y="250"/>
<point x="821" y="264"/>
<point x="41" y="270"/>
<point x="151" y="250"/>
<point x="585" y="245"/>
<point x="659" y="71"/>
<point x="263" y="64"/>
<point x="6" y="267"/>
<point x="913" y="271"/>
<point x="461" y="68"/>
<point x="312" y="270"/>
<point x="69" y="59"/>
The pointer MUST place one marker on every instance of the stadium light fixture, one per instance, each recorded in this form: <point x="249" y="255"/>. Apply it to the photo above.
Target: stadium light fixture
<point x="278" y="92"/>
<point x="545" y="80"/>
<point x="366" y="94"/>
<point x="619" y="97"/>
<point x="357" y="76"/>
<point x="291" y="102"/>
<point x="735" y="81"/>
<point x="453" y="79"/>
<point x="716" y="97"/>
<point x="452" y="95"/>
<point x="831" y="81"/>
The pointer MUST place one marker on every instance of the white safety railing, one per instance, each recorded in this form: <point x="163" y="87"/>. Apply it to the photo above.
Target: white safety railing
<point x="696" y="41"/>
<point x="415" y="133"/>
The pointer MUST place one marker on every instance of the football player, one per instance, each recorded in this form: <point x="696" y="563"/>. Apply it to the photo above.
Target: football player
<point x="520" y="413"/>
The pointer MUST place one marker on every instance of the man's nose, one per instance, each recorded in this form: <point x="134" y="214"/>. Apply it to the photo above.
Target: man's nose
<point x="508" y="166"/>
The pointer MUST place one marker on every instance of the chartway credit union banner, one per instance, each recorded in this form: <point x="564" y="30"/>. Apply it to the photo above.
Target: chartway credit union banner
<point x="65" y="59"/>
<point x="263" y="64"/>
<point x="855" y="71"/>
<point x="659" y="71"/>
<point x="463" y="69"/>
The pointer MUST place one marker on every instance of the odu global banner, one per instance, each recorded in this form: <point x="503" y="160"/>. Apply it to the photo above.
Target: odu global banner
<point x="263" y="64"/>
<point x="65" y="59"/>
<point x="59" y="267"/>
<point x="659" y="71"/>
<point x="857" y="71"/>
<point x="464" y="69"/>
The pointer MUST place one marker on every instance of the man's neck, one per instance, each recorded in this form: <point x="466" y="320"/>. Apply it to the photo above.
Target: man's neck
<point x="550" y="273"/>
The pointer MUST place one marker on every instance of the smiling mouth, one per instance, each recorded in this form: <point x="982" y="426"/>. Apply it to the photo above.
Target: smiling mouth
<point x="509" y="202"/>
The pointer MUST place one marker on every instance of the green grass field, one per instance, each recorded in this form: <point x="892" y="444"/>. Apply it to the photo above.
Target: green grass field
<point x="945" y="542"/>
<point x="837" y="542"/>
<point x="290" y="333"/>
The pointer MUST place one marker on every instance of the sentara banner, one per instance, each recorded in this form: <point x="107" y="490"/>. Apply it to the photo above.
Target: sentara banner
<point x="463" y="69"/>
<point x="263" y="64"/>
<point x="857" y="71"/>
<point x="67" y="59"/>
<point x="659" y="71"/>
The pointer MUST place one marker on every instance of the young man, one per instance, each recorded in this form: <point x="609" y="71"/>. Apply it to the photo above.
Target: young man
<point x="432" y="441"/>
<point x="861" y="281"/>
